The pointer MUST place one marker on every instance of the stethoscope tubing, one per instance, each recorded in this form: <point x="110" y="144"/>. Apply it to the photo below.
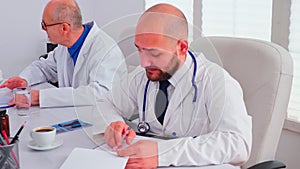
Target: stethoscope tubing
<point x="145" y="100"/>
<point x="143" y="123"/>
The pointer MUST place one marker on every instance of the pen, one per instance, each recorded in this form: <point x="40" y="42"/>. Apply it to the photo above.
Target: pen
<point x="126" y="133"/>
<point x="5" y="136"/>
<point x="2" y="140"/>
<point x="76" y="125"/>
<point x="6" y="107"/>
<point x="16" y="137"/>
<point x="12" y="152"/>
<point x="123" y="137"/>
<point x="69" y="123"/>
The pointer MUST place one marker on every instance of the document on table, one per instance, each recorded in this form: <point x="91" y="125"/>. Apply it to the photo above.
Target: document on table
<point x="93" y="159"/>
<point x="105" y="157"/>
<point x="101" y="157"/>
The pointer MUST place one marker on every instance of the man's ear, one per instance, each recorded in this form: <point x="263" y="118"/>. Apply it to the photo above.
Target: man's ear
<point x="66" y="27"/>
<point x="182" y="47"/>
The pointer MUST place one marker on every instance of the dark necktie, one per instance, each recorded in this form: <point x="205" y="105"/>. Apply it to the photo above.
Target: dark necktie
<point x="162" y="102"/>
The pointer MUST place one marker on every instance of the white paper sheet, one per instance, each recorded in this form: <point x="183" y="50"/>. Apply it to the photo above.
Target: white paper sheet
<point x="93" y="159"/>
<point x="105" y="157"/>
<point x="101" y="157"/>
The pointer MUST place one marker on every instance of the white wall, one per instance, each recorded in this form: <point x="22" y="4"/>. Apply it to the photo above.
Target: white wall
<point x="22" y="39"/>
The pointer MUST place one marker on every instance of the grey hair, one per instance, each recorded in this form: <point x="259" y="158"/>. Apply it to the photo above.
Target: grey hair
<point x="70" y="13"/>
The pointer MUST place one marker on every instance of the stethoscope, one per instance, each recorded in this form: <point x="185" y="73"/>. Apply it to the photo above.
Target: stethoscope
<point x="144" y="127"/>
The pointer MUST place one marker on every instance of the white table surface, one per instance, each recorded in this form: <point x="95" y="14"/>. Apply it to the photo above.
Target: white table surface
<point x="53" y="159"/>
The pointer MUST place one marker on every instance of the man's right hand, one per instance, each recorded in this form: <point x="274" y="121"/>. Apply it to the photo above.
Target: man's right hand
<point x="115" y="132"/>
<point x="14" y="82"/>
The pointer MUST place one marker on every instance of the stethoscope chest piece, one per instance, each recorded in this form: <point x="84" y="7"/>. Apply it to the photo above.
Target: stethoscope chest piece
<point x="143" y="127"/>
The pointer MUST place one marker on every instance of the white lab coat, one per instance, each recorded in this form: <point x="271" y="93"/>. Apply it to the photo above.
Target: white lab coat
<point x="215" y="129"/>
<point x="99" y="63"/>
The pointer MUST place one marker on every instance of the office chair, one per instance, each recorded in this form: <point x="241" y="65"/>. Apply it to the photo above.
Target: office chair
<point x="264" y="71"/>
<point x="126" y="44"/>
<point x="50" y="47"/>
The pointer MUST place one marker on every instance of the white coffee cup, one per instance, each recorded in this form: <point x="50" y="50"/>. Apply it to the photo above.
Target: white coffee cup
<point x="43" y="136"/>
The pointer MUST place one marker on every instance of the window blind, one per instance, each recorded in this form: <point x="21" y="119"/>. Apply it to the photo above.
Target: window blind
<point x="294" y="48"/>
<point x="237" y="18"/>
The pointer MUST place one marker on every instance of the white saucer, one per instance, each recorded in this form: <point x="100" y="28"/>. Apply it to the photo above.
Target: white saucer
<point x="54" y="145"/>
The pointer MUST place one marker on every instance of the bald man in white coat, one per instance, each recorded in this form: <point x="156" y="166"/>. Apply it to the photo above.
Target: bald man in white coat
<point x="205" y="121"/>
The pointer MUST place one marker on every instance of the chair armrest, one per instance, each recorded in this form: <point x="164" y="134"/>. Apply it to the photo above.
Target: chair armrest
<point x="268" y="165"/>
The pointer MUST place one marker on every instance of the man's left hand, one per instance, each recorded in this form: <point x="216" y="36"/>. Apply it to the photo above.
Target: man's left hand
<point x="142" y="154"/>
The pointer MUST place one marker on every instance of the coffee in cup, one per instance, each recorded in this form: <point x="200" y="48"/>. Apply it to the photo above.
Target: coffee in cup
<point x="43" y="136"/>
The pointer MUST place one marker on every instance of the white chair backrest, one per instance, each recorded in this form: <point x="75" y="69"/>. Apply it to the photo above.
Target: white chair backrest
<point x="126" y="44"/>
<point x="264" y="70"/>
<point x="122" y="30"/>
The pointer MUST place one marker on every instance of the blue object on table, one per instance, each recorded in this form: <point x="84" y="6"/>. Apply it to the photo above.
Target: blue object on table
<point x="70" y="126"/>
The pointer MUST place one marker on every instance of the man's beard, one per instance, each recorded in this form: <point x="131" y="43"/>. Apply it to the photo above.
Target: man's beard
<point x="161" y="75"/>
<point x="174" y="63"/>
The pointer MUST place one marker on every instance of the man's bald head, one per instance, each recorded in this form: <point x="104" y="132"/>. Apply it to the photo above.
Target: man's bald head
<point x="64" y="11"/>
<point x="161" y="39"/>
<point x="163" y="19"/>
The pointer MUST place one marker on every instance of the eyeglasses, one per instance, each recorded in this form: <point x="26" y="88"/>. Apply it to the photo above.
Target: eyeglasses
<point x="44" y="25"/>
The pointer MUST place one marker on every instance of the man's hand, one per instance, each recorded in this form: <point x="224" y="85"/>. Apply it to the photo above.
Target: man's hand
<point x="114" y="133"/>
<point x="142" y="154"/>
<point x="35" y="97"/>
<point x="14" y="82"/>
<point x="22" y="101"/>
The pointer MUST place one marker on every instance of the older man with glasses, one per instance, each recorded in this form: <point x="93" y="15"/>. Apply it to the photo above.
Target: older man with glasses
<point x="85" y="63"/>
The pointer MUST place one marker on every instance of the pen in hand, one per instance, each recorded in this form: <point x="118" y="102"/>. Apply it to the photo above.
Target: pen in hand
<point x="123" y="138"/>
<point x="16" y="137"/>
<point x="126" y="133"/>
